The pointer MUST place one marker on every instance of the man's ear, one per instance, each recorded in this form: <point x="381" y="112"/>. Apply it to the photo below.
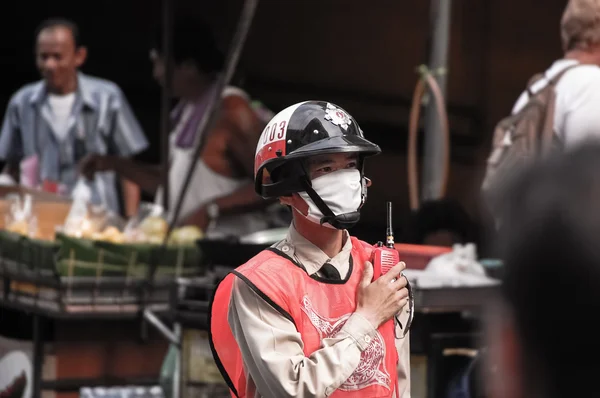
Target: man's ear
<point x="286" y="200"/>
<point x="80" y="56"/>
<point x="296" y="202"/>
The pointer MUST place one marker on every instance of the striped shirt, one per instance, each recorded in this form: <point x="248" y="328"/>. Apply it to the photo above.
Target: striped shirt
<point x="101" y="122"/>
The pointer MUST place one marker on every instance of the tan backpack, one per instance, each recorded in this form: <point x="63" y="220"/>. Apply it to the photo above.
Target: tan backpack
<point x="521" y="138"/>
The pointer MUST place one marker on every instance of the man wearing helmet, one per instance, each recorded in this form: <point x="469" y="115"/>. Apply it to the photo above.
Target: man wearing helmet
<point x="304" y="318"/>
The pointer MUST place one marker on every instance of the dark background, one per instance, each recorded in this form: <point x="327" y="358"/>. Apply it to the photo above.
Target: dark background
<point x="359" y="54"/>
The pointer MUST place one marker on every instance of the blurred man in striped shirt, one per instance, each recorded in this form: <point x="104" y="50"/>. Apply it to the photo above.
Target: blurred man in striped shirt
<point x="50" y="125"/>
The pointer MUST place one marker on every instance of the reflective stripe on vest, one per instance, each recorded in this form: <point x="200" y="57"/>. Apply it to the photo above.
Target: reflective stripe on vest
<point x="318" y="308"/>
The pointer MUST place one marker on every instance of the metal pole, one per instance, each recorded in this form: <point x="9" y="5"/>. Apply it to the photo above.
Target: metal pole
<point x="162" y="328"/>
<point x="178" y="365"/>
<point x="165" y="100"/>
<point x="210" y="113"/>
<point x="38" y="356"/>
<point x="433" y="160"/>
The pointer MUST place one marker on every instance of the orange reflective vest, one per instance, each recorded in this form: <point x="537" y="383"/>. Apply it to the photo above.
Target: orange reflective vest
<point x="318" y="307"/>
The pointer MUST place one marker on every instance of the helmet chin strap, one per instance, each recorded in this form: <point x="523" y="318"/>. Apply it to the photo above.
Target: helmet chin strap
<point x="341" y="221"/>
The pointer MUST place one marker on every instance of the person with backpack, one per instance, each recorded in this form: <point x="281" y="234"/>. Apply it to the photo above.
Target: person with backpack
<point x="559" y="108"/>
<point x="305" y="318"/>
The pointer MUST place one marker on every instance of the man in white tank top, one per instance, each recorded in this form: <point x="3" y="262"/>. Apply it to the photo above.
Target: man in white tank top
<point x="577" y="111"/>
<point x="221" y="199"/>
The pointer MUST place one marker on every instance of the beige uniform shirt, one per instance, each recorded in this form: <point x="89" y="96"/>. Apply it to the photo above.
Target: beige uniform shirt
<point x="272" y="348"/>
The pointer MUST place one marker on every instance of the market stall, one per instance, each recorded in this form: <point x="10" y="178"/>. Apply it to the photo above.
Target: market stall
<point x="82" y="281"/>
<point x="75" y="283"/>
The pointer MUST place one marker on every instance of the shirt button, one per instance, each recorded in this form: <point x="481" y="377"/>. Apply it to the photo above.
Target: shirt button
<point x="367" y="339"/>
<point x="285" y="248"/>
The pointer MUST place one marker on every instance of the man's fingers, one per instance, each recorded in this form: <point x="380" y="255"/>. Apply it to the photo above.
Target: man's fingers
<point x="85" y="164"/>
<point x="400" y="283"/>
<point x="87" y="172"/>
<point x="402" y="303"/>
<point x="401" y="294"/>
<point x="89" y="166"/>
<point x="367" y="276"/>
<point x="394" y="272"/>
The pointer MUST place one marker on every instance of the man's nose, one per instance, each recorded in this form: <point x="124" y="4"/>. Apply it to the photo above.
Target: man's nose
<point x="49" y="63"/>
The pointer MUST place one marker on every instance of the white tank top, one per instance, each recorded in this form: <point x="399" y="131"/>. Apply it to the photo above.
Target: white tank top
<point x="61" y="106"/>
<point x="206" y="185"/>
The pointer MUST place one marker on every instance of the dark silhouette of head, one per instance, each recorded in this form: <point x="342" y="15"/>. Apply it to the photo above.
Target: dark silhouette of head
<point x="547" y="343"/>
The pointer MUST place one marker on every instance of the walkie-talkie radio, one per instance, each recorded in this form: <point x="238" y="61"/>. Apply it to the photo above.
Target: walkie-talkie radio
<point x="384" y="257"/>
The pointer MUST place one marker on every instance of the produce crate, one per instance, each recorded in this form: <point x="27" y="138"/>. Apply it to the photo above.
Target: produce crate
<point x="75" y="277"/>
<point x="33" y="255"/>
<point x="81" y="257"/>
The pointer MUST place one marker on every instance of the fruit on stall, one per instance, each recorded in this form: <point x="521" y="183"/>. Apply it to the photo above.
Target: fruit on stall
<point x="154" y="229"/>
<point x="185" y="235"/>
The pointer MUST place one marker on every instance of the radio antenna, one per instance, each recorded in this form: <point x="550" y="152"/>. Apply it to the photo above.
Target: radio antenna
<point x="389" y="232"/>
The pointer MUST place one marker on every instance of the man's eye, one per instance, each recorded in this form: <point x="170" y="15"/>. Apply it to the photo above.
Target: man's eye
<point x="352" y="165"/>
<point x="324" y="170"/>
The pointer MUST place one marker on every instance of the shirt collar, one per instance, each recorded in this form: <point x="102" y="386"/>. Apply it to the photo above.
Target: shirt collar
<point x="313" y="258"/>
<point x="84" y="91"/>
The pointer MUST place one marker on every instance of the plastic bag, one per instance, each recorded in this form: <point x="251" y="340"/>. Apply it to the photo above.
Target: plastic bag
<point x="83" y="220"/>
<point x="148" y="225"/>
<point x="92" y="222"/>
<point x="20" y="218"/>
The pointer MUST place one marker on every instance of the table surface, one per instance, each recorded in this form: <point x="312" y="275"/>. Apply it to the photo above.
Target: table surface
<point x="454" y="299"/>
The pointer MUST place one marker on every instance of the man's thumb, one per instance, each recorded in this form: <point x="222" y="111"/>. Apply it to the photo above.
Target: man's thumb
<point x="367" y="276"/>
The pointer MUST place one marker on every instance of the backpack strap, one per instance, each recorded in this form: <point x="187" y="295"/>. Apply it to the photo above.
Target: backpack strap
<point x="557" y="77"/>
<point x="551" y="82"/>
<point x="547" y="133"/>
<point x="533" y="80"/>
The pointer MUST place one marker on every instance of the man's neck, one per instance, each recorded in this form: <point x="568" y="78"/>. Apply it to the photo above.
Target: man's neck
<point x="591" y="57"/>
<point x="68" y="88"/>
<point x="196" y="89"/>
<point x="329" y="240"/>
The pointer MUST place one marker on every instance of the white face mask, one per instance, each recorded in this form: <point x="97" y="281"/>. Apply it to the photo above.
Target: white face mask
<point x="341" y="191"/>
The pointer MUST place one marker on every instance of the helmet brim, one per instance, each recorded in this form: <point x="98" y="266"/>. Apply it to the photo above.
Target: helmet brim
<point x="337" y="144"/>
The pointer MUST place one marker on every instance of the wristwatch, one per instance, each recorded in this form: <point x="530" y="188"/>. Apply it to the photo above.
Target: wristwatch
<point x="212" y="210"/>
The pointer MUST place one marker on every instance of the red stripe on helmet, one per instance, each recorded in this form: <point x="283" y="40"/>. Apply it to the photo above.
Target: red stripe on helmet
<point x="270" y="151"/>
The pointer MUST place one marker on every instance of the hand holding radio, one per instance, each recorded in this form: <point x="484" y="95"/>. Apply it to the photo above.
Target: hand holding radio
<point x="381" y="300"/>
<point x="385" y="258"/>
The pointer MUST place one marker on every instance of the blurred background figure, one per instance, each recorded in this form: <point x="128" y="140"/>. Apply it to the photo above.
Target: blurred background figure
<point x="559" y="107"/>
<point x="440" y="223"/>
<point x="576" y="116"/>
<point x="544" y="340"/>
<point x="50" y="125"/>
<point x="221" y="199"/>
